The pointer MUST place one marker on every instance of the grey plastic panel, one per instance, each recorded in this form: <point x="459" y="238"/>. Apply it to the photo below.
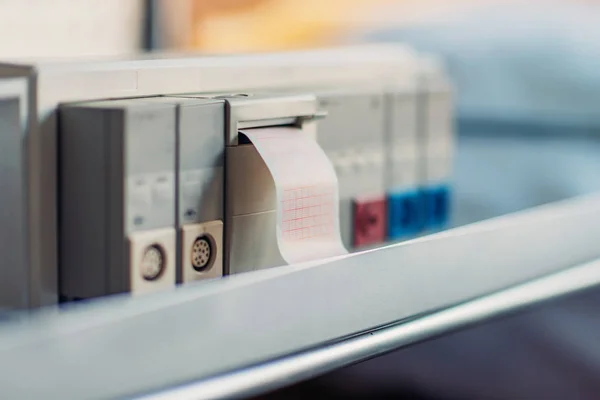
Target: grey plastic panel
<point x="141" y="345"/>
<point x="346" y="220"/>
<point x="353" y="135"/>
<point x="354" y="119"/>
<point x="149" y="134"/>
<point x="20" y="283"/>
<point x="404" y="112"/>
<point x="14" y="288"/>
<point x="259" y="109"/>
<point x="200" y="157"/>
<point x="84" y="204"/>
<point x="117" y="177"/>
<point x="250" y="186"/>
<point x="440" y="119"/>
<point x="436" y="128"/>
<point x="201" y="161"/>
<point x="403" y="143"/>
<point x="253" y="244"/>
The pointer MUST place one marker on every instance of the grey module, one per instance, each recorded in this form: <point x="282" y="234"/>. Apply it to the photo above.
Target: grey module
<point x="117" y="179"/>
<point x="200" y="157"/>
<point x="355" y="118"/>
<point x="353" y="136"/>
<point x="13" y="277"/>
<point x="436" y="125"/>
<point x="250" y="236"/>
<point x="403" y="148"/>
<point x="201" y="160"/>
<point x="200" y="186"/>
<point x="403" y="118"/>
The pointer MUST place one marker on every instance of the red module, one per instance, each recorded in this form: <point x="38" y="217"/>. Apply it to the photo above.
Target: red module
<point x="369" y="221"/>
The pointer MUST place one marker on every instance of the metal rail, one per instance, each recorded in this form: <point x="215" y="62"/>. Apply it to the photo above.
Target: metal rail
<point x="296" y="368"/>
<point x="231" y="331"/>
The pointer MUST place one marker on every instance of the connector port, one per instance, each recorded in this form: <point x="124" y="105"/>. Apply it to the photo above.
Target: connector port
<point x="203" y="253"/>
<point x="153" y="263"/>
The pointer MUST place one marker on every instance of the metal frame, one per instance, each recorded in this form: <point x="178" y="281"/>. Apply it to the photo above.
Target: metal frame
<point x="295" y="368"/>
<point x="305" y="318"/>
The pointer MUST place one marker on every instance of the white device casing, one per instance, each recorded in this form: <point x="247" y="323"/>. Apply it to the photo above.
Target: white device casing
<point x="56" y="82"/>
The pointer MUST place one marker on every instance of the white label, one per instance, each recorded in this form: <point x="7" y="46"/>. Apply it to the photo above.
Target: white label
<point x="140" y="194"/>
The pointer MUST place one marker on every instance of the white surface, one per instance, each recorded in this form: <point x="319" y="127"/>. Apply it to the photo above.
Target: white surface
<point x="55" y="28"/>
<point x="306" y="185"/>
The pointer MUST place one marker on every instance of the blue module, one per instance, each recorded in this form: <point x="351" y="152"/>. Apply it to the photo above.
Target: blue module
<point x="405" y="214"/>
<point x="436" y="203"/>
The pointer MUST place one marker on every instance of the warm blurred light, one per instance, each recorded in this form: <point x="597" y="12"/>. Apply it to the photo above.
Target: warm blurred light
<point x="261" y="25"/>
<point x="256" y="25"/>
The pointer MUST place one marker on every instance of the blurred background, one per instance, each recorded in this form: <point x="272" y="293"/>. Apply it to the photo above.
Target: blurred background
<point x="524" y="70"/>
<point x="527" y="77"/>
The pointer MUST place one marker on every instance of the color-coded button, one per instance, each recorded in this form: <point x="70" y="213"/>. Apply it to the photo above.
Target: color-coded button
<point x="405" y="214"/>
<point x="369" y="221"/>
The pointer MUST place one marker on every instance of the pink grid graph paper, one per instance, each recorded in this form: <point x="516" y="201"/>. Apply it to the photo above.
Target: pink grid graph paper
<point x="307" y="212"/>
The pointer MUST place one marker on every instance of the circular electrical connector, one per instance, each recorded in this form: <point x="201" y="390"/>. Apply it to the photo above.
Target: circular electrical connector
<point x="203" y="254"/>
<point x="153" y="263"/>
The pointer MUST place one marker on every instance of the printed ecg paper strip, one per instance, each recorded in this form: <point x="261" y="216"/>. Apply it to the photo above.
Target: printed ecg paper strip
<point x="308" y="212"/>
<point x="308" y="225"/>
